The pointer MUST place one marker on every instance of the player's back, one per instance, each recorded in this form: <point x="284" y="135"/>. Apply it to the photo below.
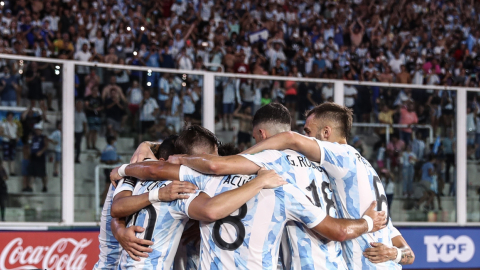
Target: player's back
<point x="250" y="237"/>
<point x="356" y="184"/>
<point x="163" y="222"/>
<point x="308" y="249"/>
<point x="110" y="249"/>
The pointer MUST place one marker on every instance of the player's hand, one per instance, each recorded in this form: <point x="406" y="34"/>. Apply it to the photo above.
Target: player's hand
<point x="379" y="253"/>
<point x="143" y="151"/>
<point x="379" y="218"/>
<point x="114" y="176"/>
<point x="270" y="179"/>
<point x="175" y="159"/>
<point x="135" y="247"/>
<point x="176" y="190"/>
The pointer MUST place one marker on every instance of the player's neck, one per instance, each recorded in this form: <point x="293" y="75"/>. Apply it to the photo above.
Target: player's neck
<point x="338" y="140"/>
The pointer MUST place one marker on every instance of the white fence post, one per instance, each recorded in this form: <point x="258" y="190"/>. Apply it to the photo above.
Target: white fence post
<point x="461" y="164"/>
<point x="208" y="116"/>
<point x="68" y="118"/>
<point x="338" y="92"/>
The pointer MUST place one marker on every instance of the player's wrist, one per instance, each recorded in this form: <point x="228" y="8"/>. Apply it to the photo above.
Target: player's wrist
<point x="397" y="255"/>
<point x="369" y="221"/>
<point x="154" y="195"/>
<point x="121" y="170"/>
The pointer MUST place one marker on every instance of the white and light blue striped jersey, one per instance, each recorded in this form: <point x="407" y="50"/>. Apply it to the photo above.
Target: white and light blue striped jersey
<point x="250" y="237"/>
<point x="307" y="249"/>
<point x="110" y="249"/>
<point x="188" y="256"/>
<point x="163" y="222"/>
<point x="356" y="185"/>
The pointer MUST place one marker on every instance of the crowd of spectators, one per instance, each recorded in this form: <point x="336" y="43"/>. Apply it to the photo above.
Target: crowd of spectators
<point x="408" y="41"/>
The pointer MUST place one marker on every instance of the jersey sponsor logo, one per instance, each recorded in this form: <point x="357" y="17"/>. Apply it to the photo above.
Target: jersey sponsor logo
<point x="48" y="250"/>
<point x="446" y="248"/>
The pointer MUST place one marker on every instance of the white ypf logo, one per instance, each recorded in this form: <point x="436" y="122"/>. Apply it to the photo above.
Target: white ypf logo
<point x="45" y="257"/>
<point x="447" y="248"/>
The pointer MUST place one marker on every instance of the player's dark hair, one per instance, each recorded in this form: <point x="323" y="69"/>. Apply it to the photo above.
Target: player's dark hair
<point x="228" y="149"/>
<point x="335" y="113"/>
<point x="195" y="136"/>
<point x="167" y="147"/>
<point x="110" y="140"/>
<point x="274" y="113"/>
<point x="9" y="113"/>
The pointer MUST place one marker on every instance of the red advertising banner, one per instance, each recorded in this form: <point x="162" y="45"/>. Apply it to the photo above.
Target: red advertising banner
<point x="48" y="250"/>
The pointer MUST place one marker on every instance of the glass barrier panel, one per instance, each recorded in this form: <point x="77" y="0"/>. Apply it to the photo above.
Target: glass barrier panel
<point x="473" y="157"/>
<point x="116" y="109"/>
<point x="408" y="136"/>
<point x="237" y="100"/>
<point x="30" y="130"/>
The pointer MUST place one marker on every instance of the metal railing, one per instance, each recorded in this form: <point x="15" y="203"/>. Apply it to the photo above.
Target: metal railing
<point x="97" y="187"/>
<point x="208" y="120"/>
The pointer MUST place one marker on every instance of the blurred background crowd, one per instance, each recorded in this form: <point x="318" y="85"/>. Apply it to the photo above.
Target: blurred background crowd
<point x="417" y="42"/>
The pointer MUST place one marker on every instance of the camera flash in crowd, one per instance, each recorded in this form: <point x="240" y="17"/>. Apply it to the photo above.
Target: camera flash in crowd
<point x="128" y="28"/>
<point x="149" y="84"/>
<point x="2" y="3"/>
<point x="57" y="67"/>
<point x="135" y="53"/>
<point x="142" y="28"/>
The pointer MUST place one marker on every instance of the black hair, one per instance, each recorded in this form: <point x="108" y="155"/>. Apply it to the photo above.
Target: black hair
<point x="336" y="113"/>
<point x="167" y="147"/>
<point x="228" y="149"/>
<point x="195" y="136"/>
<point x="9" y="113"/>
<point x="110" y="139"/>
<point x="274" y="113"/>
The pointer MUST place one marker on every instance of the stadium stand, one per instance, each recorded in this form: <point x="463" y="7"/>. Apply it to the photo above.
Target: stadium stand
<point x="408" y="41"/>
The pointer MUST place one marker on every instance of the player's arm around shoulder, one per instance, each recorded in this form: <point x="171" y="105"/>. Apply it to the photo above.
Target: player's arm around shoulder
<point x="124" y="204"/>
<point x="218" y="165"/>
<point x="209" y="209"/>
<point x="147" y="170"/>
<point x="346" y="229"/>
<point x="289" y="140"/>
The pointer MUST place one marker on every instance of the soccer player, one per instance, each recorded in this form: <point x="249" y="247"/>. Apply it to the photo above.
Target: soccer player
<point x="164" y="222"/>
<point x="110" y="247"/>
<point x="354" y="181"/>
<point x="253" y="241"/>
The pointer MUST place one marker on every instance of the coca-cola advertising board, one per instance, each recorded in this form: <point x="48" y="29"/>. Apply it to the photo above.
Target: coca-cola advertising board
<point x="64" y="250"/>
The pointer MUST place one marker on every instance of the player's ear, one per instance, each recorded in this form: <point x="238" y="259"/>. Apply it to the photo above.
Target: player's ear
<point x="263" y="134"/>
<point x="327" y="132"/>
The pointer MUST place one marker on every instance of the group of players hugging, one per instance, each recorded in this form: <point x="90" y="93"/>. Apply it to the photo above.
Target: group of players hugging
<point x="289" y="202"/>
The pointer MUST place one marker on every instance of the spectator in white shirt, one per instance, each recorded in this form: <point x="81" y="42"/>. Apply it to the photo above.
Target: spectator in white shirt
<point x="163" y="92"/>
<point x="148" y="113"/>
<point x="10" y="139"/>
<point x="396" y="63"/>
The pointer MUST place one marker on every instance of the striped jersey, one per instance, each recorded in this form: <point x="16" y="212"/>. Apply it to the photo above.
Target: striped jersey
<point x="250" y="237"/>
<point x="163" y="223"/>
<point x="110" y="249"/>
<point x="188" y="256"/>
<point x="307" y="249"/>
<point x="356" y="185"/>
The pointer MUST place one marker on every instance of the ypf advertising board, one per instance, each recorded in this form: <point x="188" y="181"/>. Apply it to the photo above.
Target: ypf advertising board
<point x="48" y="250"/>
<point x="444" y="247"/>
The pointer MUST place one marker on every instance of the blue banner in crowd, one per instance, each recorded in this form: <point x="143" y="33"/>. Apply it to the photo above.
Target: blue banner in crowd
<point x="443" y="247"/>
